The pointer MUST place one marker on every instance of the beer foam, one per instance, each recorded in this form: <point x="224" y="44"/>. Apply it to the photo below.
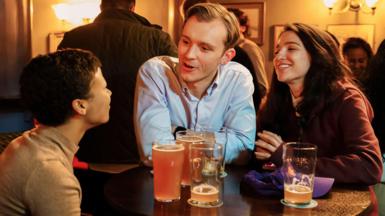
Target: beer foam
<point x="168" y="148"/>
<point x="299" y="189"/>
<point x="190" y="139"/>
<point x="205" y="189"/>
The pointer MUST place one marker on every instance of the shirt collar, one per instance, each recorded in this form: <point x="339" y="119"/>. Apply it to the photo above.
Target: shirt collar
<point x="210" y="90"/>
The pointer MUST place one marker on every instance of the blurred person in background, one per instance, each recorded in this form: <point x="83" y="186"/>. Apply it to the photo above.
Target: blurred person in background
<point x="357" y="54"/>
<point x="122" y="40"/>
<point x="375" y="86"/>
<point x="255" y="55"/>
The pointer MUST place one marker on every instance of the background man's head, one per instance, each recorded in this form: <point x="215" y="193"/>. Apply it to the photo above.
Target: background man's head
<point x="120" y="4"/>
<point x="50" y="83"/>
<point x="243" y="20"/>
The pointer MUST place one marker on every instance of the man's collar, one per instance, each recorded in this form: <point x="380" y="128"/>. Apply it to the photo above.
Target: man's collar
<point x="210" y="89"/>
<point x="115" y="13"/>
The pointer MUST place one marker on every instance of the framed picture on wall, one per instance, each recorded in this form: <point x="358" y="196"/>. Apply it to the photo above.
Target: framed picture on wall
<point x="54" y="40"/>
<point x="277" y="29"/>
<point x="342" y="32"/>
<point x="255" y="10"/>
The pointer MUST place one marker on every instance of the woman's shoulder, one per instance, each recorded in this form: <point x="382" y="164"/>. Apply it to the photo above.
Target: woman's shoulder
<point x="349" y="95"/>
<point x="347" y="89"/>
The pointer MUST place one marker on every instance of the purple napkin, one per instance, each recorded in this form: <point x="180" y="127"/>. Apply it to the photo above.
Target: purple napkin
<point x="264" y="184"/>
<point x="271" y="184"/>
<point x="322" y="186"/>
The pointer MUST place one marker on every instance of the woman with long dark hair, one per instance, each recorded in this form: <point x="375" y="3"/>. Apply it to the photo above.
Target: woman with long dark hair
<point x="312" y="99"/>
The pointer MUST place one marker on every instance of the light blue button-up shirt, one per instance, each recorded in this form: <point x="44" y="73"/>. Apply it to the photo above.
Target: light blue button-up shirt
<point x="163" y="102"/>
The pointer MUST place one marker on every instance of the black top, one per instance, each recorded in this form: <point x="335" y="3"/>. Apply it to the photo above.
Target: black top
<point x="123" y="41"/>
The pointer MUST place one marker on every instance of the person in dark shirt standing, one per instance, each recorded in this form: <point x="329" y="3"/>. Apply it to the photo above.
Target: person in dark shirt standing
<point x="374" y="88"/>
<point x="122" y="40"/>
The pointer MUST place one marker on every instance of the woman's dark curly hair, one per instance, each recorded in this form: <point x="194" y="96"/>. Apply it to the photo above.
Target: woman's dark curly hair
<point x="327" y="68"/>
<point x="49" y="83"/>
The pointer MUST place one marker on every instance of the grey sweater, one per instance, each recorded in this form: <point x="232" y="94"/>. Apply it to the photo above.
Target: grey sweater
<point x="36" y="175"/>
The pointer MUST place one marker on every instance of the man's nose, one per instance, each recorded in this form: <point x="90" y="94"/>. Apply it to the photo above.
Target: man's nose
<point x="191" y="52"/>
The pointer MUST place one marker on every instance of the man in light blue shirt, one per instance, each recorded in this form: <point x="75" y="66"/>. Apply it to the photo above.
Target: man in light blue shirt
<point x="200" y="89"/>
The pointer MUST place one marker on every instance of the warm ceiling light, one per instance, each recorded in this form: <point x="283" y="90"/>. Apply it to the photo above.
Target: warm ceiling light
<point x="77" y="12"/>
<point x="341" y="6"/>
<point x="61" y="11"/>
<point x="329" y="3"/>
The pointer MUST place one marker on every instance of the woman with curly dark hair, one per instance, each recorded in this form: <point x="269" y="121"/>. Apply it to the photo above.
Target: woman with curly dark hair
<point x="312" y="99"/>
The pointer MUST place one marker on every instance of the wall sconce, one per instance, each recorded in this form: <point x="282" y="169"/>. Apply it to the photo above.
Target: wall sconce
<point x="341" y="6"/>
<point x="77" y="13"/>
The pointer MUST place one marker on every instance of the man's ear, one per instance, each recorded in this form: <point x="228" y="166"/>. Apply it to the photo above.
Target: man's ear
<point x="228" y="55"/>
<point x="79" y="106"/>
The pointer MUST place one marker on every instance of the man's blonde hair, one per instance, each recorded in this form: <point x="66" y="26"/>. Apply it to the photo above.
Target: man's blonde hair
<point x="211" y="11"/>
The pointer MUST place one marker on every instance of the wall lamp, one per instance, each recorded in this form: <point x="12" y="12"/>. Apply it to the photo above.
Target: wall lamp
<point x="341" y="6"/>
<point x="77" y="13"/>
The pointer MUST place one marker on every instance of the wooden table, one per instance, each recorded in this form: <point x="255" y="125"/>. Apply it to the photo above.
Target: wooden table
<point x="131" y="192"/>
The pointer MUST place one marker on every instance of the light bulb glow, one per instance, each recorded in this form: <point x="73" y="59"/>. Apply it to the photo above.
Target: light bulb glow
<point x="329" y="3"/>
<point x="77" y="12"/>
<point x="371" y="3"/>
<point x="61" y="11"/>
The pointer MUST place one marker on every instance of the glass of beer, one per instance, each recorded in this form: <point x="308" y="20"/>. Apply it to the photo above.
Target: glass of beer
<point x="186" y="138"/>
<point x="216" y="136"/>
<point x="299" y="161"/>
<point x="205" y="163"/>
<point x="167" y="158"/>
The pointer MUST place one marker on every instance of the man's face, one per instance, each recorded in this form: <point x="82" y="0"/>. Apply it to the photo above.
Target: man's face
<point x="98" y="105"/>
<point x="201" y="49"/>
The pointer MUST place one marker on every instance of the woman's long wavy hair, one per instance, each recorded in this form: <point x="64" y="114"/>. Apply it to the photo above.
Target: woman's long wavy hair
<point x="326" y="69"/>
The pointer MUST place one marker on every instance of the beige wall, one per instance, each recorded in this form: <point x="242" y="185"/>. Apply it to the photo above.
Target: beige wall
<point x="44" y="20"/>
<point x="314" y="12"/>
<point x="277" y="12"/>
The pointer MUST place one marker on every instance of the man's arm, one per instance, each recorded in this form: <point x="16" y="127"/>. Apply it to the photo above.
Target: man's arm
<point x="152" y="118"/>
<point x="240" y="120"/>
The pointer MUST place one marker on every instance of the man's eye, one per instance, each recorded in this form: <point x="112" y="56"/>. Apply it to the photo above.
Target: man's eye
<point x="205" y="48"/>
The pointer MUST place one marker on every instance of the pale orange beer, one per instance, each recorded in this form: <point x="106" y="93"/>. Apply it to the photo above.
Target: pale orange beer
<point x="186" y="140"/>
<point x="167" y="163"/>
<point x="297" y="194"/>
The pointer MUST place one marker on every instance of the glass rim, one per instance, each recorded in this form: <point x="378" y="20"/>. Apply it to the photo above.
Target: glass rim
<point x="300" y="145"/>
<point x="207" y="146"/>
<point x="161" y="147"/>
